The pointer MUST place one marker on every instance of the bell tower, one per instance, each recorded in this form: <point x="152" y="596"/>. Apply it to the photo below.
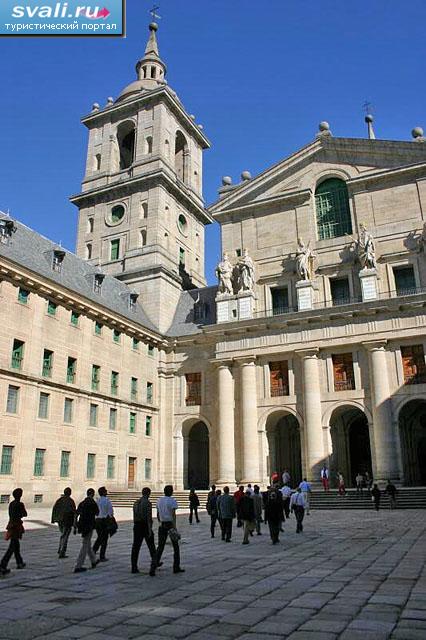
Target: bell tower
<point x="141" y="210"/>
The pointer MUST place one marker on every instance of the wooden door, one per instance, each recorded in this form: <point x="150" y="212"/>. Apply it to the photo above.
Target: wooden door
<point x="131" y="474"/>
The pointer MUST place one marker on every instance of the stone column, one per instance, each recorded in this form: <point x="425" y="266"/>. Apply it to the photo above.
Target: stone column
<point x="226" y="423"/>
<point x="314" y="443"/>
<point x="251" y="453"/>
<point x="384" y="437"/>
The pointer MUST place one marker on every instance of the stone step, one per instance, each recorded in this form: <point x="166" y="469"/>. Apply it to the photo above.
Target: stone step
<point x="408" y="498"/>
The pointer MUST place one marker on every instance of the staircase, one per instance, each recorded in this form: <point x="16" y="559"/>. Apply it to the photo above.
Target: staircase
<point x="407" y="498"/>
<point x="127" y="498"/>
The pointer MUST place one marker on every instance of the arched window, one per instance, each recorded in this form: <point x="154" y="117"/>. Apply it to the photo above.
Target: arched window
<point x="88" y="251"/>
<point x="181" y="150"/>
<point x="148" y="145"/>
<point x="97" y="162"/>
<point x="144" y="210"/>
<point x="126" y="143"/>
<point x="332" y="209"/>
<point x="143" y="238"/>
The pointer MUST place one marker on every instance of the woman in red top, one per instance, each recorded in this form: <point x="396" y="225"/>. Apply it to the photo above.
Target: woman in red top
<point x="14" y="531"/>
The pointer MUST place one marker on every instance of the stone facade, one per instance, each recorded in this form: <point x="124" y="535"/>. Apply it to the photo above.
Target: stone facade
<point x="329" y="368"/>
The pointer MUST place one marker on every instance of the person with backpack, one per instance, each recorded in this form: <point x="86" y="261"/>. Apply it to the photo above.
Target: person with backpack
<point x="142" y="530"/>
<point x="274" y="513"/>
<point x="194" y="503"/>
<point x="63" y="513"/>
<point x="84" y="523"/>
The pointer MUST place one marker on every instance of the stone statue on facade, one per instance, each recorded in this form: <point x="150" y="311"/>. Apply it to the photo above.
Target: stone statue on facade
<point x="224" y="272"/>
<point x="246" y="276"/>
<point x="305" y="260"/>
<point x="421" y="242"/>
<point x="366" y="249"/>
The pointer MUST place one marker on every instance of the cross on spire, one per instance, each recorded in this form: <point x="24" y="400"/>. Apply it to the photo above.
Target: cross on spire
<point x="367" y="107"/>
<point x="154" y="14"/>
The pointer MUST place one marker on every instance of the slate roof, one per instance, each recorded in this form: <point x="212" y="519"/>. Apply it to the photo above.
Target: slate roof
<point x="29" y="249"/>
<point x="184" y="322"/>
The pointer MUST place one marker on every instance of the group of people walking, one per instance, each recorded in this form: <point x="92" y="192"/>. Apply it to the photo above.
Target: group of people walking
<point x="250" y="506"/>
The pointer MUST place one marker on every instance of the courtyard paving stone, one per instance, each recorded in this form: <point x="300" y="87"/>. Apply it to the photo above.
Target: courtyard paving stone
<point x="350" y="576"/>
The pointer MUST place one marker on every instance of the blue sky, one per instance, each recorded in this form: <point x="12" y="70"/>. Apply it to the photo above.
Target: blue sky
<point x="259" y="75"/>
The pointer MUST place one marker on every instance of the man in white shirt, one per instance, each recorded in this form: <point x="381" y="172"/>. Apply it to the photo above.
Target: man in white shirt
<point x="297" y="504"/>
<point x="286" y="477"/>
<point x="286" y="493"/>
<point x="305" y="488"/>
<point x="325" y="478"/>
<point x="166" y="515"/>
<point x="106" y="512"/>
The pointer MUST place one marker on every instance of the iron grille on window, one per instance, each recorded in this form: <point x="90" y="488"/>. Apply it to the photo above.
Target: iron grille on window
<point x="413" y="364"/>
<point x="278" y="372"/>
<point x="39" y="462"/>
<point x="332" y="209"/>
<point x="343" y="370"/>
<point x="6" y="460"/>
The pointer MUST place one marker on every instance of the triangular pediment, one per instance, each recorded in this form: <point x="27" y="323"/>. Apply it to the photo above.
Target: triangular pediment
<point x="297" y="175"/>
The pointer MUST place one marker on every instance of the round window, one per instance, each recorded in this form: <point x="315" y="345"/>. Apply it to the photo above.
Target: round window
<point x="182" y="223"/>
<point x="117" y="213"/>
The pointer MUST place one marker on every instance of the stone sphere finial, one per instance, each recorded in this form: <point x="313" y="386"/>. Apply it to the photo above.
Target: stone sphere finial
<point x="226" y="181"/>
<point x="110" y="101"/>
<point x="369" y="118"/>
<point x="192" y="117"/>
<point x="324" y="126"/>
<point x="153" y="26"/>
<point x="417" y="132"/>
<point x="245" y="175"/>
<point x="96" y="106"/>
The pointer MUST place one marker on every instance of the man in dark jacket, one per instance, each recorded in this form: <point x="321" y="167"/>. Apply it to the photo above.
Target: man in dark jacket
<point x="63" y="513"/>
<point x="237" y="497"/>
<point x="142" y="530"/>
<point x="274" y="513"/>
<point x="226" y="512"/>
<point x="247" y="515"/>
<point x="194" y="503"/>
<point x="84" y="524"/>
<point x="212" y="509"/>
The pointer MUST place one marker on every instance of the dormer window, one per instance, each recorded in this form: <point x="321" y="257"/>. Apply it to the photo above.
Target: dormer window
<point x="7" y="227"/>
<point x="58" y="258"/>
<point x="133" y="298"/>
<point x="97" y="283"/>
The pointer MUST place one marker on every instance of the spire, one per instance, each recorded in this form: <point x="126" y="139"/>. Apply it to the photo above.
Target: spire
<point x="151" y="45"/>
<point x="150" y="69"/>
<point x="369" y="120"/>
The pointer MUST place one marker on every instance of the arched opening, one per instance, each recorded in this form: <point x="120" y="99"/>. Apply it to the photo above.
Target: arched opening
<point x="283" y="433"/>
<point x="412" y="425"/>
<point x="143" y="238"/>
<point x="88" y="251"/>
<point x="181" y="150"/>
<point x="148" y="145"/>
<point x="332" y="209"/>
<point x="350" y="439"/>
<point x="197" y="454"/>
<point x="97" y="162"/>
<point x="126" y="135"/>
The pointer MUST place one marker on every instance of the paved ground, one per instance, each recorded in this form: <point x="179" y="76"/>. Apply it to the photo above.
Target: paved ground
<point x="350" y="575"/>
